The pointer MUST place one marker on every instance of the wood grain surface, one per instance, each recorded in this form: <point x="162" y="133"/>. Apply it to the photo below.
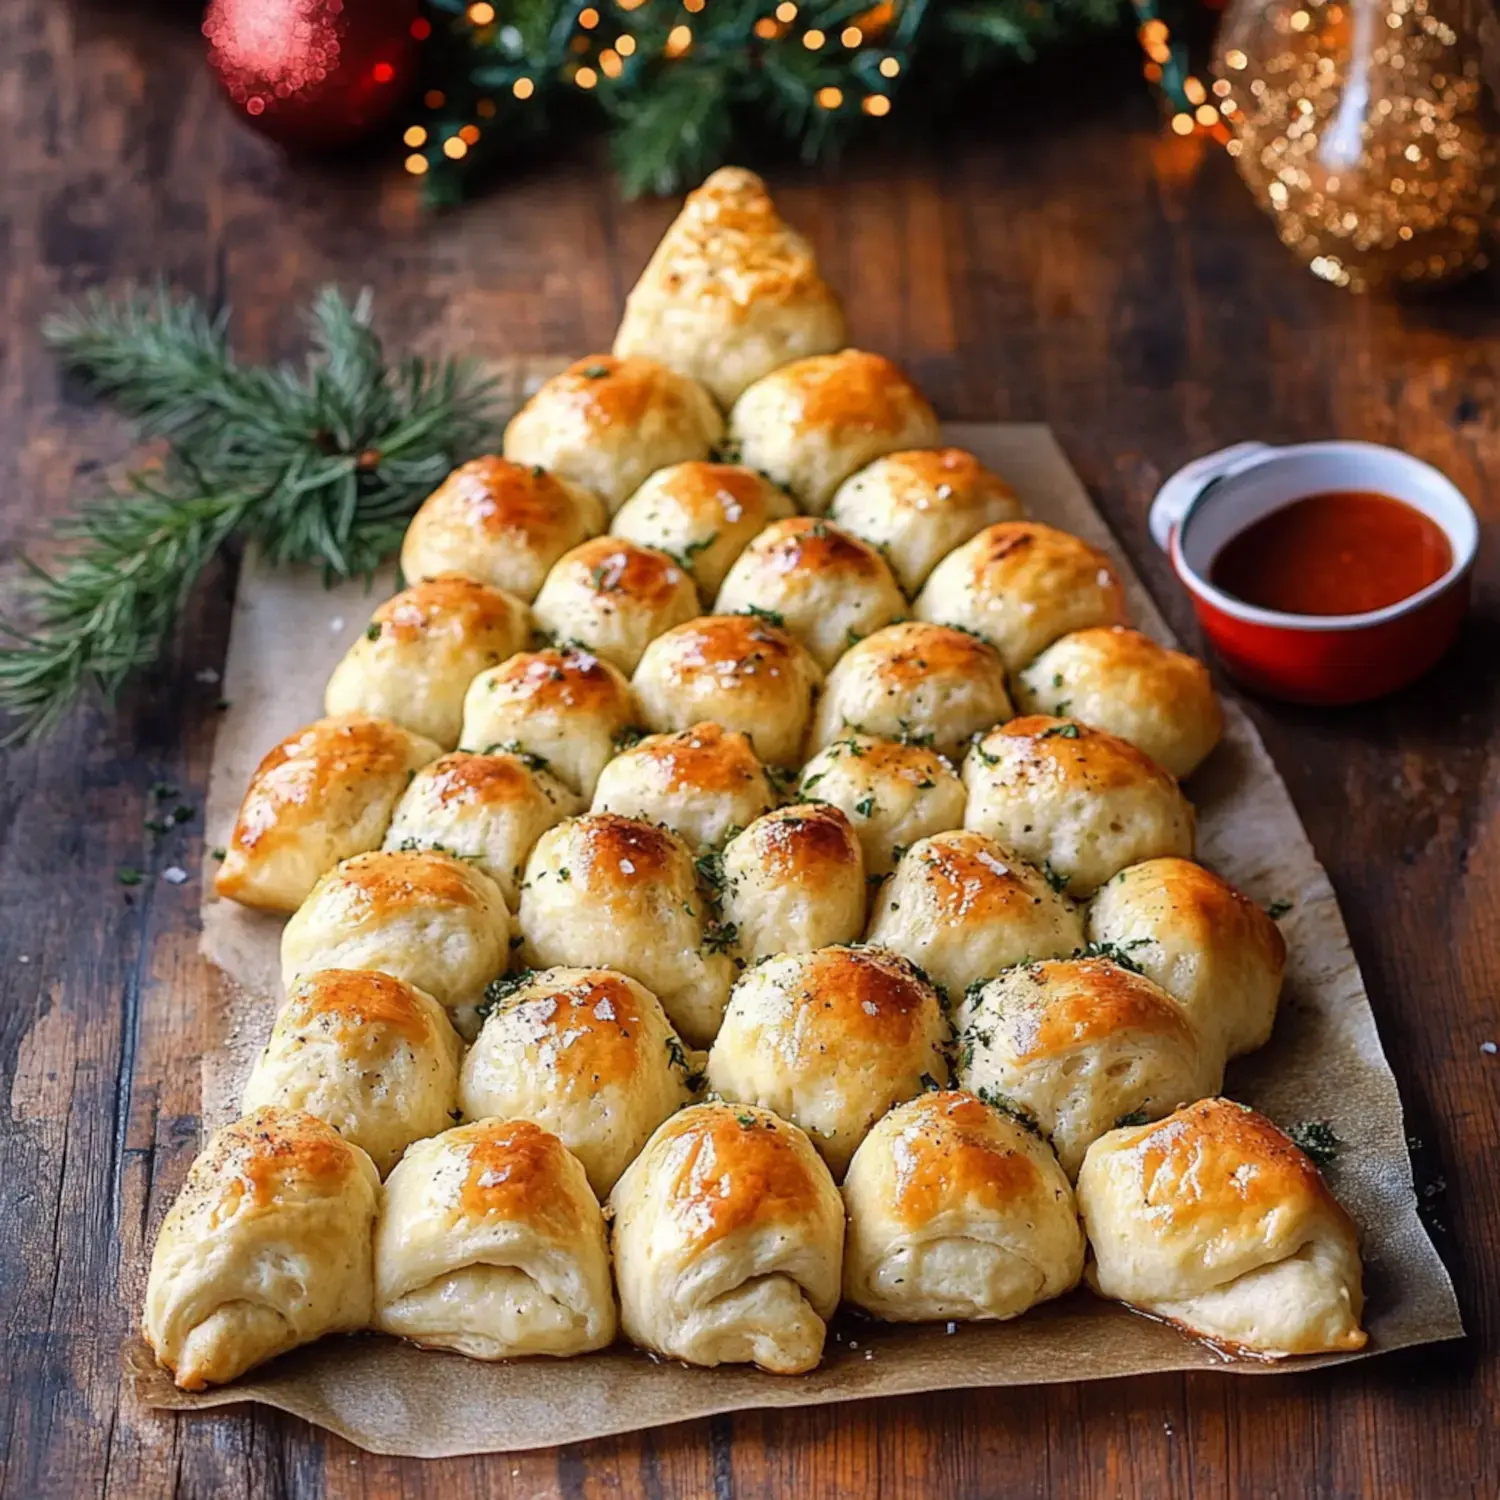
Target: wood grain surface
<point x="1059" y="262"/>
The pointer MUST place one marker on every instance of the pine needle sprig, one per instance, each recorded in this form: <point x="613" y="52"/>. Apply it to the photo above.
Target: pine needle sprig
<point x="321" y="465"/>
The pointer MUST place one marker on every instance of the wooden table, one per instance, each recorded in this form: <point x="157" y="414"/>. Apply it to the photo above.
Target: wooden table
<point x="1081" y="271"/>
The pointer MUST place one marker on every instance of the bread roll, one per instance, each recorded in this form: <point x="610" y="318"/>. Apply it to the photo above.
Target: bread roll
<point x="585" y="1053"/>
<point x="267" y="1247"/>
<point x="491" y="1244"/>
<point x="1079" y="1045"/>
<point x="830" y="1041"/>
<point x="919" y="505"/>
<point x="924" y="683"/>
<point x="699" y="782"/>
<point x="702" y="514"/>
<point x="613" y="598"/>
<point x="606" y="423"/>
<point x="1073" y="800"/>
<point x="892" y="794"/>
<point x="609" y="892"/>
<point x="422" y="650"/>
<point x="427" y="918"/>
<point x="1021" y="585"/>
<point x="1214" y="1220"/>
<point x="828" y="588"/>
<point x="1209" y="947"/>
<point x="365" y="1052"/>
<point x="730" y="292"/>
<point x="1121" y="681"/>
<point x="793" y="881"/>
<point x="499" y="523"/>
<point x="487" y="809"/>
<point x="736" y="670"/>
<point x="728" y="1235"/>
<point x="810" y="424"/>
<point x="964" y="907"/>
<point x="323" y="794"/>
<point x="956" y="1211"/>
<point x="565" y="711"/>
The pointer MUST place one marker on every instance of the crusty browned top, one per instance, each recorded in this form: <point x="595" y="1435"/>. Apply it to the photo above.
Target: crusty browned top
<point x="705" y="758"/>
<point x="270" y="1155"/>
<point x="728" y="490"/>
<point x="805" y="843"/>
<point x="905" y="655"/>
<point x="609" y="390"/>
<point x="730" y="1166"/>
<point x="357" y="999"/>
<point x="860" y="995"/>
<point x="376" y="885"/>
<point x="852" y="389"/>
<point x="920" y="477"/>
<point x="1065" y="752"/>
<point x="444" y="602"/>
<point x="502" y="499"/>
<point x="1076" y="1001"/>
<point x="803" y="543"/>
<point x="590" y="1026"/>
<point x="972" y="877"/>
<point x="570" y="678"/>
<point x="744" y="642"/>
<point x="615" y="568"/>
<point x="515" y="1171"/>
<point x="611" y="850"/>
<point x="462" y="778"/>
<point x="952" y="1152"/>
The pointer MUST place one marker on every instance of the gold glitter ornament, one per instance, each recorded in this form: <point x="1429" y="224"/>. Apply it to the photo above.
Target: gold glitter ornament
<point x="1366" y="129"/>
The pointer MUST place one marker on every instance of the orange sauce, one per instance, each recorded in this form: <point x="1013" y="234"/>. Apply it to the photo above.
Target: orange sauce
<point x="1345" y="552"/>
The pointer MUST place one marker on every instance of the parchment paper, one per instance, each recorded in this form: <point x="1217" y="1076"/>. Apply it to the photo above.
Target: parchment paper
<point x="1324" y="1062"/>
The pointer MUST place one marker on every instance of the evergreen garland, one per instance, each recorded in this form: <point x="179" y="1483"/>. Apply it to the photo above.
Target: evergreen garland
<point x="685" y="85"/>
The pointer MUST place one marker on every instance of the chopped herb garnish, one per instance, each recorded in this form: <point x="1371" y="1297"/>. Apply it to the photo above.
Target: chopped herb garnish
<point x="689" y="552"/>
<point x="1316" y="1140"/>
<point x="710" y="868"/>
<point x="1116" y="953"/>
<point x="594" y="372"/>
<point x="720" y="937"/>
<point x="501" y="989"/>
<point x="930" y="1085"/>
<point x="766" y="616"/>
<point x="1278" y="909"/>
<point x="218" y="852"/>
<point x="1055" y="878"/>
<point x="997" y="1099"/>
<point x="1135" y="1117"/>
<point x="865" y="807"/>
<point x="1060" y="732"/>
<point x="372" y="631"/>
<point x="629" y="736"/>
<point x="129" y="875"/>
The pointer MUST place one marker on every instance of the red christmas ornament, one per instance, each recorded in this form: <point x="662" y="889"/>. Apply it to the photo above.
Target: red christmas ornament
<point x="313" y="73"/>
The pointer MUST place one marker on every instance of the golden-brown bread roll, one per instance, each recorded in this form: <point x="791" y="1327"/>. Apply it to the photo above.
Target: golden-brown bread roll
<point x="1119" y="680"/>
<point x="703" y="514"/>
<point x="585" y="1053"/>
<point x="793" y="881"/>
<point x="613" y="598"/>
<point x="491" y="1243"/>
<point x="731" y="292"/>
<point x="1021" y="585"/>
<point x="928" y="684"/>
<point x="566" y="711"/>
<point x="699" y="782"/>
<point x="606" y="423"/>
<point x="828" y="588"/>
<point x="957" y="1211"/>
<point x="1075" y="801"/>
<point x="267" y="1247"/>
<point x="1209" y="947"/>
<point x="737" y="670"/>
<point x="487" y="809"/>
<point x="366" y="1052"/>
<point x="1078" y="1045"/>
<point x="1214" y="1220"/>
<point x="919" y="505"/>
<point x="892" y="794"/>
<point x="421" y="651"/>
<point x="427" y="918"/>
<point x="830" y="1041"/>
<point x="810" y="424"/>
<point x="728" y="1236"/>
<point x="964" y="907"/>
<point x="322" y="795"/>
<point x="499" y="523"/>
<point x="616" y="893"/>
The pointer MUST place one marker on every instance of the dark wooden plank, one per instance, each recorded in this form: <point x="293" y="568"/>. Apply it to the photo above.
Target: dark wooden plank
<point x="1053" y="265"/>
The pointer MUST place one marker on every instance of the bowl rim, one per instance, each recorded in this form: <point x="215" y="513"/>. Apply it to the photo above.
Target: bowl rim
<point x="1464" y="547"/>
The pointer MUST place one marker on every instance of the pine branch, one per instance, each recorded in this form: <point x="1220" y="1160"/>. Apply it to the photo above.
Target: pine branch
<point x="322" y="466"/>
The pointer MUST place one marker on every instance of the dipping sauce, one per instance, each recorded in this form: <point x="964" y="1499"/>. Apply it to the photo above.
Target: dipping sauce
<point x="1344" y="552"/>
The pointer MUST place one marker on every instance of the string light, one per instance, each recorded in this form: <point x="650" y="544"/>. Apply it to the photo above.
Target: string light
<point x="693" y="6"/>
<point x="851" y="36"/>
<point x="876" y="105"/>
<point x="1182" y="124"/>
<point x="434" y="98"/>
<point x="523" y="88"/>
<point x="585" y="78"/>
<point x="786" y="12"/>
<point x="889" y="67"/>
<point x="625" y="45"/>
<point x="481" y="13"/>
<point x="485" y="109"/>
<point x="469" y="134"/>
<point x="766" y="29"/>
<point x="829" y="97"/>
<point x="455" y="149"/>
<point x="588" y="18"/>
<point x="610" y="64"/>
<point x="813" y="39"/>
<point x="421" y="28"/>
<point x="679" y="39"/>
<point x="416" y="135"/>
<point x="382" y="72"/>
<point x="416" y="164"/>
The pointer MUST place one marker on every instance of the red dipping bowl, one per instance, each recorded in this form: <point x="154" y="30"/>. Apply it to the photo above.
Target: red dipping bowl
<point x="1322" y="659"/>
